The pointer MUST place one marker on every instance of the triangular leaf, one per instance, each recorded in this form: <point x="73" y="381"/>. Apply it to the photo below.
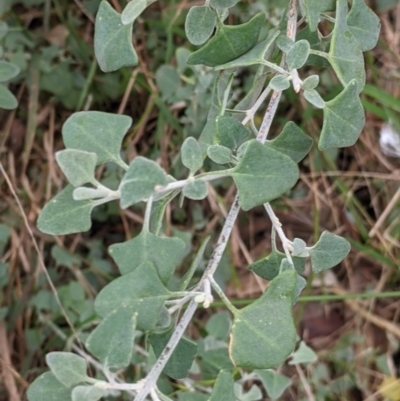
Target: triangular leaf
<point x="230" y="132"/>
<point x="257" y="340"/>
<point x="132" y="10"/>
<point x="7" y="100"/>
<point x="64" y="215"/>
<point x="329" y="251"/>
<point x="199" y="24"/>
<point x="112" y="40"/>
<point x="303" y="354"/>
<point x="343" y="119"/>
<point x="223" y="388"/>
<point x="196" y="190"/>
<point x="229" y="43"/>
<point x="8" y="71"/>
<point x="47" y="387"/>
<point x="130" y="254"/>
<point x="97" y="132"/>
<point x="254" y="394"/>
<point x="274" y="383"/>
<point x="314" y="8"/>
<point x="68" y="368"/>
<point x="112" y="340"/>
<point x="263" y="174"/>
<point x="88" y="393"/>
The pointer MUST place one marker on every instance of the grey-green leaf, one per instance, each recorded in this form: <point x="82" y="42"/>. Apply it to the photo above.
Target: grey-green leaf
<point x="297" y="55"/>
<point x="140" y="181"/>
<point x="8" y="71"/>
<point x="314" y="8"/>
<point x="112" y="340"/>
<point x="303" y="354"/>
<point x="279" y="83"/>
<point x="77" y="165"/>
<point x="223" y="388"/>
<point x="229" y="43"/>
<point x="219" y="325"/>
<point x="68" y="368"/>
<point x="132" y="10"/>
<point x="7" y="100"/>
<point x="343" y="119"/>
<point x="196" y="190"/>
<point x="329" y="251"/>
<point x="257" y="340"/>
<point x="98" y="132"/>
<point x="284" y="43"/>
<point x="167" y="80"/>
<point x="113" y="40"/>
<point x="130" y="254"/>
<point x="310" y="82"/>
<point x="88" y="393"/>
<point x="47" y="387"/>
<point x="64" y="215"/>
<point x="314" y="98"/>
<point x="191" y="155"/>
<point x="274" y="383"/>
<point x="263" y="174"/>
<point x="219" y="154"/>
<point x="199" y="24"/>
<point x="230" y="132"/>
<point x="223" y="3"/>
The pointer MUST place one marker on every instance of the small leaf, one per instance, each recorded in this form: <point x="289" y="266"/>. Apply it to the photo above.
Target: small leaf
<point x="191" y="155"/>
<point x="8" y="71"/>
<point x="219" y="325"/>
<point x="181" y="359"/>
<point x="263" y="174"/>
<point x="345" y="54"/>
<point x="230" y="132"/>
<point x="229" y="43"/>
<point x="279" y="83"/>
<point x="97" y="132"/>
<point x="7" y="100"/>
<point x="131" y="254"/>
<point x="132" y="10"/>
<point x="88" y="393"/>
<point x="314" y="98"/>
<point x="303" y="354"/>
<point x="223" y="3"/>
<point x="168" y="81"/>
<point x="64" y="215"/>
<point x="219" y="154"/>
<point x="112" y="340"/>
<point x="292" y="141"/>
<point x="142" y="291"/>
<point x="274" y="383"/>
<point x="223" y="388"/>
<point x="254" y="394"/>
<point x="78" y="166"/>
<point x="298" y="55"/>
<point x="364" y="24"/>
<point x="299" y="248"/>
<point x="310" y="82"/>
<point x="257" y="340"/>
<point x="112" y="40"/>
<point x="199" y="24"/>
<point x="284" y="43"/>
<point x="329" y="251"/>
<point x="343" y="119"/>
<point x="196" y="190"/>
<point x="140" y="181"/>
<point x="301" y="283"/>
<point x="47" y="387"/>
<point x="68" y="368"/>
<point x="313" y="10"/>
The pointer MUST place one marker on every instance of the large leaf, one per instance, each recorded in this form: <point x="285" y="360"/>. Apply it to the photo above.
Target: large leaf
<point x="274" y="383"/>
<point x="141" y="290"/>
<point x="64" y="215"/>
<point x="263" y="174"/>
<point x="230" y="132"/>
<point x="7" y="100"/>
<point x="263" y="333"/>
<point x="223" y="388"/>
<point x="97" y="132"/>
<point x="8" y="71"/>
<point x="343" y="119"/>
<point x="47" y="387"/>
<point x="88" y="393"/>
<point x="164" y="252"/>
<point x="229" y="43"/>
<point x="140" y="181"/>
<point x="345" y="54"/>
<point x="113" y="40"/>
<point x="314" y="8"/>
<point x="112" y="340"/>
<point x="199" y="24"/>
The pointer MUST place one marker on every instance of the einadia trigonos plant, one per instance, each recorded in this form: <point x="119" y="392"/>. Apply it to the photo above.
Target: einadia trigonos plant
<point x="141" y="301"/>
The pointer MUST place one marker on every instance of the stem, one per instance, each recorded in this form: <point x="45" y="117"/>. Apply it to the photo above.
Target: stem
<point x="250" y="113"/>
<point x="275" y="67"/>
<point x="222" y="295"/>
<point x="147" y="214"/>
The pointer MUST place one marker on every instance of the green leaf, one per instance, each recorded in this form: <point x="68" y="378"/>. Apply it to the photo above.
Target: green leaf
<point x="219" y="154"/>
<point x="64" y="215"/>
<point x="230" y="132"/>
<point x="88" y="393"/>
<point x="68" y="368"/>
<point x="345" y="54"/>
<point x="7" y="100"/>
<point x="191" y="155"/>
<point x="314" y="8"/>
<point x="112" y="340"/>
<point x="140" y="181"/>
<point x="3" y="28"/>
<point x="85" y="193"/>
<point x="292" y="141"/>
<point x="284" y="43"/>
<point x="141" y="290"/>
<point x="279" y="83"/>
<point x="298" y="55"/>
<point x="78" y="166"/>
<point x="97" y="132"/>
<point x="329" y="251"/>
<point x="196" y="190"/>
<point x="263" y="174"/>
<point x="181" y="359"/>
<point x="131" y="254"/>
<point x="263" y="333"/>
<point x="269" y="267"/>
<point x="132" y="10"/>
<point x="254" y="394"/>
<point x="310" y="82"/>
<point x="343" y="119"/>
<point x="254" y="56"/>
<point x="303" y="354"/>
<point x="199" y="24"/>
<point x="223" y="388"/>
<point x="274" y="383"/>
<point x="112" y="40"/>
<point x="229" y="43"/>
<point x="219" y="325"/>
<point x="47" y="387"/>
<point x="8" y="71"/>
<point x="167" y="80"/>
<point x="364" y="24"/>
<point x="313" y="97"/>
<point x="223" y="3"/>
